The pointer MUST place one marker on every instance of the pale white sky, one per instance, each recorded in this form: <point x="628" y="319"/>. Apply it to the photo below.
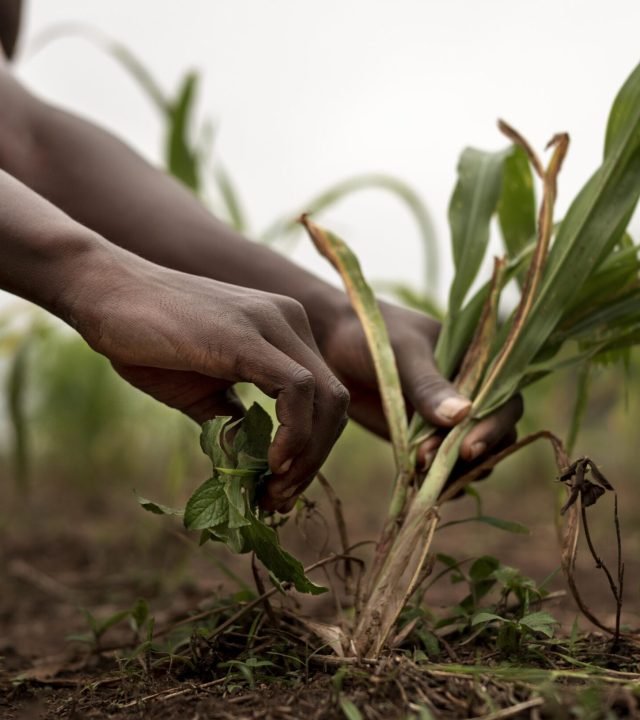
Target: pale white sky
<point x="307" y="93"/>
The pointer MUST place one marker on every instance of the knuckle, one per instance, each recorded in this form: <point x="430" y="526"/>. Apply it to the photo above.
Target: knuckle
<point x="301" y="380"/>
<point x="294" y="312"/>
<point x="339" y="395"/>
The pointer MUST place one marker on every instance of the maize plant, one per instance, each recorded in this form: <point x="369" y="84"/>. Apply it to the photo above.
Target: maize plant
<point x="579" y="299"/>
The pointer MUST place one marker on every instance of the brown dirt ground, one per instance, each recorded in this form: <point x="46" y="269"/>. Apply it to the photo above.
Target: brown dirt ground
<point x="61" y="551"/>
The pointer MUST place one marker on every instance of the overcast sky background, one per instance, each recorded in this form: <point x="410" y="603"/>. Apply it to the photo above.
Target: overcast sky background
<point x="307" y="93"/>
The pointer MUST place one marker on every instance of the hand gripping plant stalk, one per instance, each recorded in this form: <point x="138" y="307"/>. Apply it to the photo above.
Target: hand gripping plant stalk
<point x="579" y="299"/>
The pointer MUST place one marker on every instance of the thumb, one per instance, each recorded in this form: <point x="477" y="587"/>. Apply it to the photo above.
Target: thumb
<point x="432" y="396"/>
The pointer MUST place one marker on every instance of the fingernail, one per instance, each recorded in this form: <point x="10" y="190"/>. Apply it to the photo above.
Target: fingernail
<point x="427" y="460"/>
<point x="427" y="451"/>
<point x="454" y="408"/>
<point x="431" y="444"/>
<point x="477" y="449"/>
<point x="285" y="467"/>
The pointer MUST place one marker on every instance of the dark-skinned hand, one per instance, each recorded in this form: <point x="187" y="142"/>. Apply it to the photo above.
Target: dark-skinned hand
<point x="186" y="340"/>
<point x="413" y="337"/>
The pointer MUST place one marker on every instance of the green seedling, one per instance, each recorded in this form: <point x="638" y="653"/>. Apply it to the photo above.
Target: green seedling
<point x="139" y="618"/>
<point x="225" y="507"/>
<point x="513" y="634"/>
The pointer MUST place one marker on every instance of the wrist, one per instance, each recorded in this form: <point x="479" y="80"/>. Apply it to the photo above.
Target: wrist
<point x="326" y="306"/>
<point x="86" y="267"/>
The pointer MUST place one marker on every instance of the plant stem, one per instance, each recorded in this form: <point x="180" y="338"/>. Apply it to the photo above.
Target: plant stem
<point x="398" y="562"/>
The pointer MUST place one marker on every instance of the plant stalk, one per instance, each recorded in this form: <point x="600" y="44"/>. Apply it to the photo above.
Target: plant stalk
<point x="392" y="578"/>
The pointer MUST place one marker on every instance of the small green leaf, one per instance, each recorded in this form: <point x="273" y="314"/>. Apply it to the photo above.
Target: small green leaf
<point x="103" y="625"/>
<point x="212" y="441"/>
<point x="207" y="507"/>
<point x="349" y="710"/>
<point x="484" y="617"/>
<point x="254" y="434"/>
<point x="507" y="525"/>
<point x="264" y="542"/>
<point x="157" y="508"/>
<point x="238" y="505"/>
<point x="139" y="613"/>
<point x="541" y="622"/>
<point x="483" y="568"/>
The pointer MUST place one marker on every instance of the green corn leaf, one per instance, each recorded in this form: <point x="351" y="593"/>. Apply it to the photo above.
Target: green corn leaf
<point x="366" y="307"/>
<point x="455" y="337"/>
<point x="593" y="225"/>
<point x="619" y="313"/>
<point x="517" y="204"/>
<point x="181" y="159"/>
<point x="473" y="204"/>
<point x="617" y="273"/>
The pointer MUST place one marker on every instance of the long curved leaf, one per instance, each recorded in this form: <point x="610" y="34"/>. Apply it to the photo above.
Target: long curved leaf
<point x="593" y="225"/>
<point x="474" y="201"/>
<point x="517" y="205"/>
<point x="366" y="307"/>
<point x="182" y="161"/>
<point x="473" y="204"/>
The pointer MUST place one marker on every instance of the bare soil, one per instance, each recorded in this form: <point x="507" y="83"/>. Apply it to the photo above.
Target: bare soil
<point x="63" y="551"/>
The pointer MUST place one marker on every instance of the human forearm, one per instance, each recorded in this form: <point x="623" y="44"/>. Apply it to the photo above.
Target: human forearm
<point x="43" y="252"/>
<point x="104" y="185"/>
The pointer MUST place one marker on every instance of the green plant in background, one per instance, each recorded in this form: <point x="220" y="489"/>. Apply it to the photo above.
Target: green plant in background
<point x="513" y="633"/>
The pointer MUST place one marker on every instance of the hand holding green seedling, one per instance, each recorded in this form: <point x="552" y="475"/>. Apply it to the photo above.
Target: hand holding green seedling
<point x="225" y="508"/>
